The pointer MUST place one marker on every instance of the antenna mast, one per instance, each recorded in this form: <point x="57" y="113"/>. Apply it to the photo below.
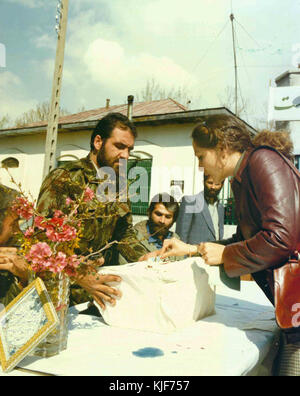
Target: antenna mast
<point x="235" y="65"/>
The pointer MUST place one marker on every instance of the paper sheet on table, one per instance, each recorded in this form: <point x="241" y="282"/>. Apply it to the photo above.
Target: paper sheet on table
<point x="160" y="297"/>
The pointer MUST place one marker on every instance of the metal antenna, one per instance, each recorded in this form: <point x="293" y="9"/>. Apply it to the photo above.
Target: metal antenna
<point x="235" y="65"/>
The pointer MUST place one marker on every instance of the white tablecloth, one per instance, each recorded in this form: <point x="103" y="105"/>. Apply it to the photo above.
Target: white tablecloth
<point x="234" y="341"/>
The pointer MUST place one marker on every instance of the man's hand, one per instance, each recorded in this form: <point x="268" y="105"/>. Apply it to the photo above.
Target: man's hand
<point x="12" y="262"/>
<point x="212" y="253"/>
<point x="96" y="285"/>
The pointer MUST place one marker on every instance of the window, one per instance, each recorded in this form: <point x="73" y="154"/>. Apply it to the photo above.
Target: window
<point x="64" y="159"/>
<point x="140" y="207"/>
<point x="10" y="162"/>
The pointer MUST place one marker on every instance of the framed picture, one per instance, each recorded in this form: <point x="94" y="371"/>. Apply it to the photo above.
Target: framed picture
<point x="24" y="323"/>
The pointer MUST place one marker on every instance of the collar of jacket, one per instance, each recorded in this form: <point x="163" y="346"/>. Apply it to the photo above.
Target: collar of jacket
<point x="87" y="166"/>
<point x="243" y="164"/>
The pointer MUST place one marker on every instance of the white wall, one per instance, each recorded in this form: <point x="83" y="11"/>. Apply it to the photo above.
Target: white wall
<point x="29" y="150"/>
<point x="169" y="145"/>
<point x="173" y="157"/>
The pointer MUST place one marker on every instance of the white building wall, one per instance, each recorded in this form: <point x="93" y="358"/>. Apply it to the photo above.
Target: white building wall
<point x="169" y="145"/>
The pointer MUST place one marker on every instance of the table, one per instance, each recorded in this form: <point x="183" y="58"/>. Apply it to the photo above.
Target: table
<point x="235" y="341"/>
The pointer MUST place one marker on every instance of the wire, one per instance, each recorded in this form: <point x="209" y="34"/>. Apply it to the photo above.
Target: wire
<point x="244" y="63"/>
<point x="248" y="34"/>
<point x="210" y="46"/>
<point x="269" y="66"/>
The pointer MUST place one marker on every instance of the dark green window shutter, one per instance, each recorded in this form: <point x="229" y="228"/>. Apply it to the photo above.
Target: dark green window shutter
<point x="140" y="208"/>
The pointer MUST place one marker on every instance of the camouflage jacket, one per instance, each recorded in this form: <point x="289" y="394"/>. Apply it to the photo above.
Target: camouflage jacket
<point x="9" y="285"/>
<point x="108" y="221"/>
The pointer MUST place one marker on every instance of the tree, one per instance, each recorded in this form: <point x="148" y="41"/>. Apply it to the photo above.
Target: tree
<point x="228" y="100"/>
<point x="255" y="114"/>
<point x="40" y="113"/>
<point x="5" y="121"/>
<point x="154" y="91"/>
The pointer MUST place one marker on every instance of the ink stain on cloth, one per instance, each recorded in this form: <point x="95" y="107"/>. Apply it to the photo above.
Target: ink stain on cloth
<point x="148" y="352"/>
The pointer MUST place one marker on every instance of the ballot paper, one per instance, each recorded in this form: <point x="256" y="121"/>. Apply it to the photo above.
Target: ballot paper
<point x="160" y="297"/>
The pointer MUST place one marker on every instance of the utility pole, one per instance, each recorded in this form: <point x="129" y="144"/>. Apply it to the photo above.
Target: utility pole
<point x="51" y="139"/>
<point x="235" y="65"/>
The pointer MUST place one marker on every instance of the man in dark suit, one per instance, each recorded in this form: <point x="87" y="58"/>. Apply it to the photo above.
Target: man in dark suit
<point x="201" y="216"/>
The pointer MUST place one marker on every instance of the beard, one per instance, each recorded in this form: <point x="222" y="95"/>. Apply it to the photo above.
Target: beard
<point x="157" y="230"/>
<point x="211" y="195"/>
<point x="105" y="160"/>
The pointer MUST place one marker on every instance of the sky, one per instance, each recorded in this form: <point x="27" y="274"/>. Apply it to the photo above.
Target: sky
<point x="114" y="47"/>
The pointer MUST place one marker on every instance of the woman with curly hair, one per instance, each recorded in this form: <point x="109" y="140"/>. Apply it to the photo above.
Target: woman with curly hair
<point x="266" y="189"/>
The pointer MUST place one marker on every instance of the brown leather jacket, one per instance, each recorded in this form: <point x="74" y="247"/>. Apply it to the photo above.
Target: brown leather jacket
<point x="267" y="195"/>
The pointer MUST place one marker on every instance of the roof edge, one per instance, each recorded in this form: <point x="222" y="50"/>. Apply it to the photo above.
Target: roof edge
<point x="180" y="116"/>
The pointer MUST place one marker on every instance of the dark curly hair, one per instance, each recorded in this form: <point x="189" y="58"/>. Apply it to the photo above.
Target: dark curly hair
<point x="168" y="201"/>
<point x="107" y="124"/>
<point x="220" y="131"/>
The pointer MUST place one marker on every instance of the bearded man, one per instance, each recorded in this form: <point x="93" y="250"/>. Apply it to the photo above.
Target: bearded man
<point x="201" y="216"/>
<point x="162" y="214"/>
<point x="110" y="219"/>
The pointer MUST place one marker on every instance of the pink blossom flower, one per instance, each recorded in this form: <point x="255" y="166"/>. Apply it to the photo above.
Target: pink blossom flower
<point x="39" y="255"/>
<point x="29" y="232"/>
<point x="63" y="234"/>
<point x="58" y="263"/>
<point x="38" y="222"/>
<point x="69" y="201"/>
<point x="73" y="263"/>
<point x="23" y="208"/>
<point x="88" y="194"/>
<point x="51" y="234"/>
<point x="55" y="222"/>
<point x="58" y="213"/>
<point x="40" y="251"/>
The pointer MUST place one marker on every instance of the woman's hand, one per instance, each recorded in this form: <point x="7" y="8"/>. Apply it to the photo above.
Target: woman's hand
<point x="175" y="247"/>
<point x="149" y="255"/>
<point x="212" y="253"/>
<point x="12" y="262"/>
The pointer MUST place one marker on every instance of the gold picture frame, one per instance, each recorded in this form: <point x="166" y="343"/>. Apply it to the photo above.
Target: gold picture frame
<point x="24" y="323"/>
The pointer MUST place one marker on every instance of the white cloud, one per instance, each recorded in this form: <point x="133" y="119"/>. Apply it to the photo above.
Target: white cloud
<point x="114" y="47"/>
<point x="13" y="100"/>
<point x="107" y="63"/>
<point x="29" y="3"/>
<point x="44" y="41"/>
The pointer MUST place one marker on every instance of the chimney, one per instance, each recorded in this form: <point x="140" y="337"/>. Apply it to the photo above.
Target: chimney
<point x="130" y="99"/>
<point x="107" y="103"/>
